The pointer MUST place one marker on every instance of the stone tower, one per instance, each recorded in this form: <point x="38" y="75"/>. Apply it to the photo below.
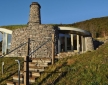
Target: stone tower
<point x="34" y="16"/>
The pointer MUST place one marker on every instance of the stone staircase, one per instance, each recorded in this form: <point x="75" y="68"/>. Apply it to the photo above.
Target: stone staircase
<point x="65" y="54"/>
<point x="36" y="67"/>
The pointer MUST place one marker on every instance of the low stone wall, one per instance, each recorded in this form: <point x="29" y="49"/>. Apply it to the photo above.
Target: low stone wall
<point x="89" y="44"/>
<point x="38" y="33"/>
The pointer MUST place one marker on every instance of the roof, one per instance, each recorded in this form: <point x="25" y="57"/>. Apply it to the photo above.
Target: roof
<point x="6" y="30"/>
<point x="73" y="30"/>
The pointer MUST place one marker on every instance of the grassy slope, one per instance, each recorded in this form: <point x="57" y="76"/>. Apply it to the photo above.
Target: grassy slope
<point x="90" y="68"/>
<point x="10" y="67"/>
<point x="97" y="26"/>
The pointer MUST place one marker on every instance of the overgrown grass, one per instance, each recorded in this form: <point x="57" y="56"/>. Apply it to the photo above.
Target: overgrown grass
<point x="10" y="68"/>
<point x="90" y="68"/>
<point x="13" y="27"/>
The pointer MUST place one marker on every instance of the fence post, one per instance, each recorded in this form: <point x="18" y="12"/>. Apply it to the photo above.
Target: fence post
<point x="18" y="71"/>
<point x="2" y="68"/>
<point x="26" y="65"/>
<point x="53" y="49"/>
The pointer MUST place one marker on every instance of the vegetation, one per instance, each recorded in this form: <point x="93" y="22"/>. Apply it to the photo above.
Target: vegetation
<point x="13" y="27"/>
<point x="10" y="68"/>
<point x="90" y="68"/>
<point x="97" y="26"/>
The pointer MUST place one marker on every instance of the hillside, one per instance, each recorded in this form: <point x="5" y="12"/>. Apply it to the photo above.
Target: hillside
<point x="90" y="68"/>
<point x="97" y="26"/>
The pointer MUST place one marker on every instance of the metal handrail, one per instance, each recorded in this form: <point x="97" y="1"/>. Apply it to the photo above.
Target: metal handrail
<point x="39" y="46"/>
<point x="24" y="44"/>
<point x="29" y="54"/>
<point x="15" y="49"/>
<point x="26" y="59"/>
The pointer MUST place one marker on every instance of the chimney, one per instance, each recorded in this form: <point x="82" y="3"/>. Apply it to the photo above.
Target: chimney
<point x="34" y="16"/>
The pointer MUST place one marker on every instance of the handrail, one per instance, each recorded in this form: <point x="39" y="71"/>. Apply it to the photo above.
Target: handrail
<point x="15" y="49"/>
<point x="22" y="44"/>
<point x="39" y="47"/>
<point x="26" y="63"/>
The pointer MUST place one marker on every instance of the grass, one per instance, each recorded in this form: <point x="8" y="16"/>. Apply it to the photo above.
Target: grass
<point x="10" y="68"/>
<point x="13" y="27"/>
<point x="90" y="68"/>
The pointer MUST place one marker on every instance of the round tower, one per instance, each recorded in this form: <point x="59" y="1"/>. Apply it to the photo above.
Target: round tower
<point x="34" y="17"/>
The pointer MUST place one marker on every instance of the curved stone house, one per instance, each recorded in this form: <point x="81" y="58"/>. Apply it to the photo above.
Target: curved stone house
<point x="74" y="39"/>
<point x="65" y="39"/>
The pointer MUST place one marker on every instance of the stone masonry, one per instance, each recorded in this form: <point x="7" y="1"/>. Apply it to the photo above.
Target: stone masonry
<point x="34" y="16"/>
<point x="89" y="44"/>
<point x="37" y="32"/>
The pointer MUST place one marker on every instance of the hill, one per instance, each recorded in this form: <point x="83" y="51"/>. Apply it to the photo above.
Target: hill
<point x="86" y="69"/>
<point x="90" y="68"/>
<point x="97" y="26"/>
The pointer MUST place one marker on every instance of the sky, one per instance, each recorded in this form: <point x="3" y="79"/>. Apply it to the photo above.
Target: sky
<point x="16" y="12"/>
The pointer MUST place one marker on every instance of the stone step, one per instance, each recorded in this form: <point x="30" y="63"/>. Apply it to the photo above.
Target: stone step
<point x="31" y="79"/>
<point x="36" y="74"/>
<point x="41" y="60"/>
<point x="36" y="66"/>
<point x="16" y="81"/>
<point x="18" y="84"/>
<point x="15" y="78"/>
<point x="10" y="83"/>
<point x="65" y="54"/>
<point x="43" y="64"/>
<point x="36" y="69"/>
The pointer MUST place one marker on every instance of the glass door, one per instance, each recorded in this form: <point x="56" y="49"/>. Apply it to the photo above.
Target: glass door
<point x="6" y="43"/>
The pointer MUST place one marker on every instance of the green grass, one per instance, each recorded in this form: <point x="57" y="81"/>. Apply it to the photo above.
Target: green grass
<point x="13" y="27"/>
<point x="10" y="68"/>
<point x="90" y="68"/>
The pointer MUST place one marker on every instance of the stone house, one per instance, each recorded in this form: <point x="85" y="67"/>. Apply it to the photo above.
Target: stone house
<point x="65" y="38"/>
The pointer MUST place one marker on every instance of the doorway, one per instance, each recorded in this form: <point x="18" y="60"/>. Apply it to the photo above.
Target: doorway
<point x="64" y="43"/>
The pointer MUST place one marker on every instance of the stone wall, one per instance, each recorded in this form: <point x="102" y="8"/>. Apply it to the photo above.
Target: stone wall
<point x="89" y="44"/>
<point x="38" y="33"/>
<point x="34" y="16"/>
